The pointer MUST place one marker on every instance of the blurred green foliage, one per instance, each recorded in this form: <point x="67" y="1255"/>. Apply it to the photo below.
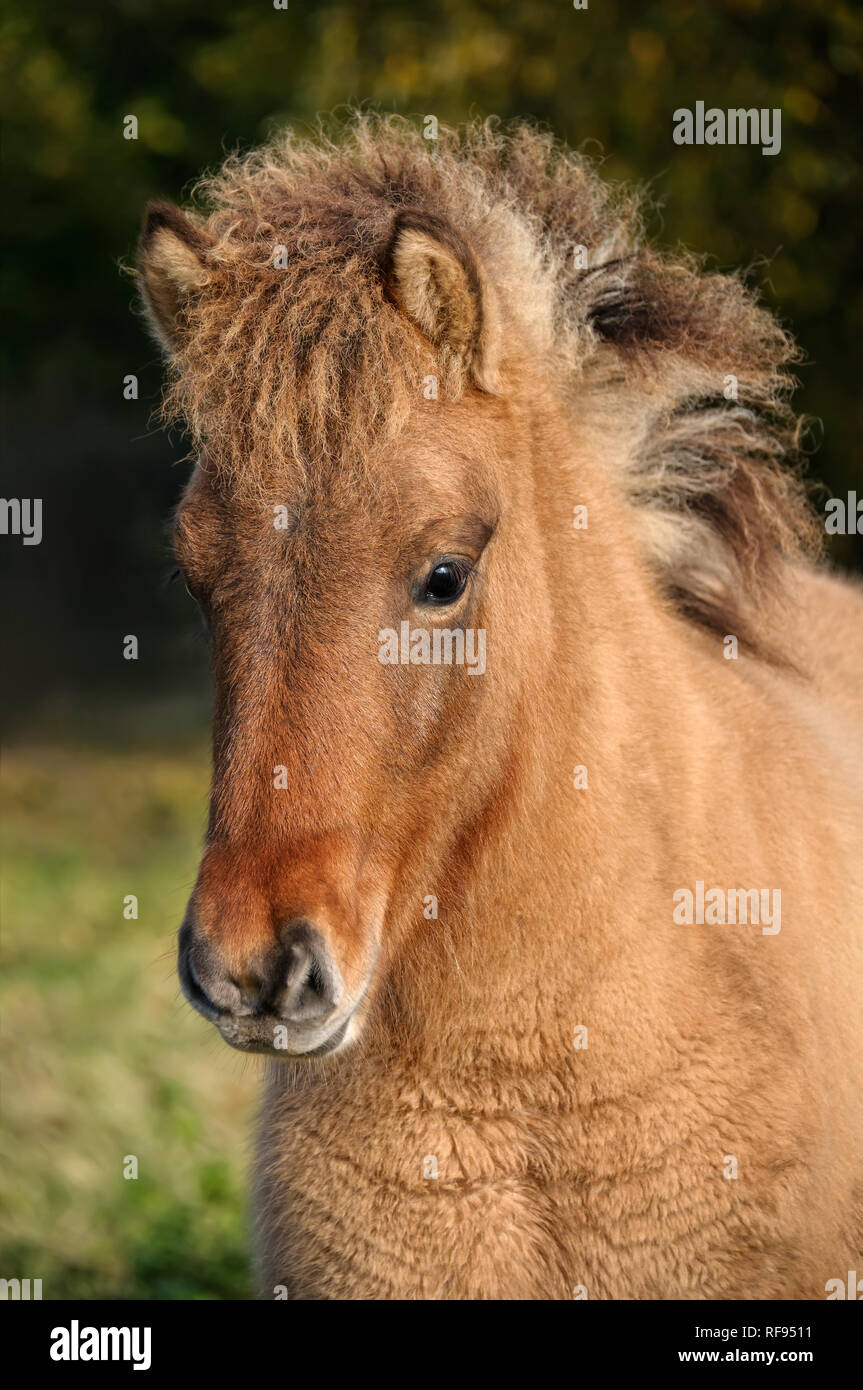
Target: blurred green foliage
<point x="203" y="79"/>
<point x="101" y="1058"/>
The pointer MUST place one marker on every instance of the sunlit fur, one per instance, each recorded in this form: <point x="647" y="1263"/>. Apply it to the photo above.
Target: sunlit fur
<point x="459" y="1145"/>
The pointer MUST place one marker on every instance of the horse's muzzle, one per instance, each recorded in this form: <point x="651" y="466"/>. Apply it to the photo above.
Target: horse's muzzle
<point x="290" y="1002"/>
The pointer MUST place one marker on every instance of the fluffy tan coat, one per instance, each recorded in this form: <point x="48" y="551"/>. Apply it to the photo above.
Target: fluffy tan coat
<point x="703" y="1138"/>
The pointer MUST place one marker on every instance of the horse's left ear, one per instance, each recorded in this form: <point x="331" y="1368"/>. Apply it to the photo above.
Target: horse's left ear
<point x="171" y="267"/>
<point x="435" y="280"/>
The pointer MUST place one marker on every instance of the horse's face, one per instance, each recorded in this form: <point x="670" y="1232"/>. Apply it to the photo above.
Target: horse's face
<point x="358" y="731"/>
<point x="338" y="760"/>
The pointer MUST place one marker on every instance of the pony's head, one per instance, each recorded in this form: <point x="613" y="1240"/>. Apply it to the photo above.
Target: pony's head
<point x="389" y="356"/>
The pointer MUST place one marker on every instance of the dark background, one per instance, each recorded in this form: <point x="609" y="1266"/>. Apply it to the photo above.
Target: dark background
<point x="204" y="78"/>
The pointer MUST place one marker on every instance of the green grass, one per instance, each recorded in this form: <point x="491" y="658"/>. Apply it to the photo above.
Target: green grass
<point x="101" y="1056"/>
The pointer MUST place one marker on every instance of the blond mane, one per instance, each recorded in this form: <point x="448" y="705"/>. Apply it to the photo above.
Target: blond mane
<point x="315" y="365"/>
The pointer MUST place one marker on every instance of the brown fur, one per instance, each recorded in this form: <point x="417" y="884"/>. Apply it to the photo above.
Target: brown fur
<point x="556" y="1167"/>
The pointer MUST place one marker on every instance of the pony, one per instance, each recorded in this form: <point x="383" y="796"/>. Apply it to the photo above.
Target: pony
<point x="557" y="964"/>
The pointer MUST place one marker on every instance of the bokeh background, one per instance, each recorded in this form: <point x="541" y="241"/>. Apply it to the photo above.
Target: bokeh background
<point x="106" y="760"/>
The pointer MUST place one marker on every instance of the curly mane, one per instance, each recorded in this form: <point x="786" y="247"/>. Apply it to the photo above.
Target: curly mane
<point x="316" y="362"/>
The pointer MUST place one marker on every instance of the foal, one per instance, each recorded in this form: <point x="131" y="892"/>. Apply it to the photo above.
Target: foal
<point x="540" y="1025"/>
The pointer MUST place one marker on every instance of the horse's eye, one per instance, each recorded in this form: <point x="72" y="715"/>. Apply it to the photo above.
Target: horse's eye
<point x="446" y="583"/>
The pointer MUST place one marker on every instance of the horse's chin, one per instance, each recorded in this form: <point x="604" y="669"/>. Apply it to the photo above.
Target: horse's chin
<point x="270" y="1037"/>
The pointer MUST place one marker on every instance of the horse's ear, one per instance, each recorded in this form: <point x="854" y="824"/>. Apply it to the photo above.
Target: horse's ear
<point x="435" y="280"/>
<point x="171" y="268"/>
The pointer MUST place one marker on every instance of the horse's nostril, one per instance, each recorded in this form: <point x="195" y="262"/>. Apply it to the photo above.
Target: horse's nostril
<point x="204" y="1000"/>
<point x="297" y="982"/>
<point x="310" y="986"/>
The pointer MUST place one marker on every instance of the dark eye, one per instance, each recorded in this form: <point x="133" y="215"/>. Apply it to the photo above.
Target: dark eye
<point x="194" y="595"/>
<point x="446" y="583"/>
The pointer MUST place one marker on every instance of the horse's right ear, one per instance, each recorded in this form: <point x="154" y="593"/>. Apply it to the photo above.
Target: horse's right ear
<point x="171" y="268"/>
<point x="433" y="277"/>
